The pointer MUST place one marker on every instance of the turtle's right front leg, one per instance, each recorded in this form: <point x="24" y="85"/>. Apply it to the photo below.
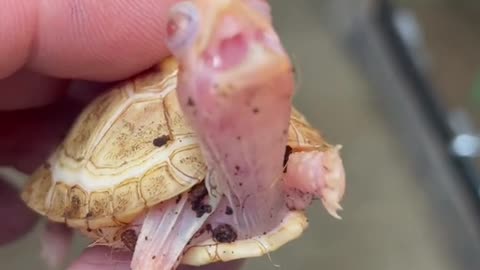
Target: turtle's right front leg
<point x="312" y="173"/>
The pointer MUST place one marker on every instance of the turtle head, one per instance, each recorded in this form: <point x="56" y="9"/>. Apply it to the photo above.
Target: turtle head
<point x="226" y="40"/>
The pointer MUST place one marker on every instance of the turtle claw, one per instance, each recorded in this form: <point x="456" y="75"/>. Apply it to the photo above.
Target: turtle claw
<point x="332" y="208"/>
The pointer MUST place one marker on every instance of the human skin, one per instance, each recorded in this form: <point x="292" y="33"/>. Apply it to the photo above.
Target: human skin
<point x="44" y="47"/>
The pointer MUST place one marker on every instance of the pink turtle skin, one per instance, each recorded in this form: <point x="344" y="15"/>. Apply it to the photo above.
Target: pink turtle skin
<point x="241" y="120"/>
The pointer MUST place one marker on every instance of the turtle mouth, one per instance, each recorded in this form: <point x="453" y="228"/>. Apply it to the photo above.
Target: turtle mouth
<point x="229" y="53"/>
<point x="243" y="49"/>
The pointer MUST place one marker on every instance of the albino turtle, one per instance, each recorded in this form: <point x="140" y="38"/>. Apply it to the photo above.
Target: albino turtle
<point x="130" y="173"/>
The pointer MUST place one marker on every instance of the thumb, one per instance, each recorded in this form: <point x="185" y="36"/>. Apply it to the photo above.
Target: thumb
<point x="95" y="40"/>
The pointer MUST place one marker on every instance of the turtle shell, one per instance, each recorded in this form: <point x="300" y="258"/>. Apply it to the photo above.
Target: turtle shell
<point x="128" y="150"/>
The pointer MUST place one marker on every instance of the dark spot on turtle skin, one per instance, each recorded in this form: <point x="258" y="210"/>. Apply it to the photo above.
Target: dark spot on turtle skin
<point x="255" y="110"/>
<point x="190" y="102"/>
<point x="201" y="209"/>
<point x="154" y="257"/>
<point x="237" y="168"/>
<point x="239" y="138"/>
<point x="146" y="238"/>
<point x="179" y="197"/>
<point x="89" y="215"/>
<point x="47" y="165"/>
<point x="240" y="184"/>
<point x="129" y="239"/>
<point x="285" y="132"/>
<point x="198" y="192"/>
<point x="224" y="233"/>
<point x="228" y="211"/>
<point x="196" y="196"/>
<point x="89" y="230"/>
<point x="206" y="208"/>
<point x="288" y="152"/>
<point x="161" y="141"/>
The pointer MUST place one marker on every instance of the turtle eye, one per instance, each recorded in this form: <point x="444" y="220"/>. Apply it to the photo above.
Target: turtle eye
<point x="182" y="25"/>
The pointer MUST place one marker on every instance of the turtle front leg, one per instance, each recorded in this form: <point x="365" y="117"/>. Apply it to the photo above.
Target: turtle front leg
<point x="315" y="174"/>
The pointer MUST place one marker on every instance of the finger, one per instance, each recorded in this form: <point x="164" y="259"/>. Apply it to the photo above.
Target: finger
<point x="96" y="40"/>
<point x="17" y="218"/>
<point x="103" y="258"/>
<point x="17" y="32"/>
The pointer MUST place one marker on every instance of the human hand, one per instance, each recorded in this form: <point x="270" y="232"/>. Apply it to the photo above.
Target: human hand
<point x="46" y="46"/>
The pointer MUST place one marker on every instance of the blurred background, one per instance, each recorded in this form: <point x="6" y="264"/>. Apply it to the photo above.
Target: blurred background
<point x="398" y="84"/>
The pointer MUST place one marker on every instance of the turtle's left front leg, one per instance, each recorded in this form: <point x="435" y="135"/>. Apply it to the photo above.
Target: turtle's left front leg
<point x="312" y="173"/>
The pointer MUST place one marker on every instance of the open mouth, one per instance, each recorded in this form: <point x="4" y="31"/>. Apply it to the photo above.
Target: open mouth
<point x="241" y="45"/>
<point x="229" y="53"/>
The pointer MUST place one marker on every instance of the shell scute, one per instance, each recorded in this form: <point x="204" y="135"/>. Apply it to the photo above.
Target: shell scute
<point x="127" y="201"/>
<point x="159" y="184"/>
<point x="301" y="133"/>
<point x="129" y="141"/>
<point x="77" y="207"/>
<point x="94" y="118"/>
<point x="100" y="212"/>
<point x="58" y="203"/>
<point x="36" y="189"/>
<point x="178" y="126"/>
<point x="189" y="162"/>
<point x="159" y="78"/>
